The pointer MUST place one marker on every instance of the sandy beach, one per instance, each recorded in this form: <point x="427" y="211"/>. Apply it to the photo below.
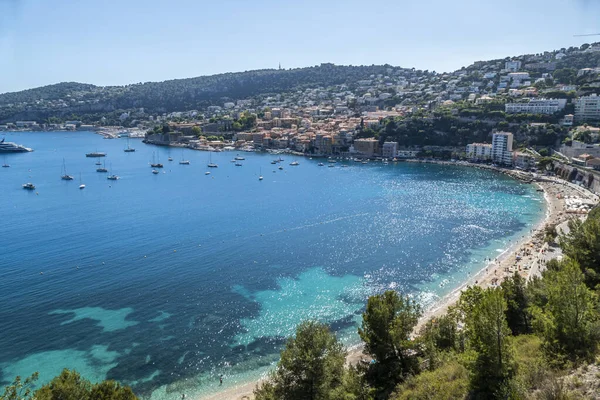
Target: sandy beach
<point x="528" y="256"/>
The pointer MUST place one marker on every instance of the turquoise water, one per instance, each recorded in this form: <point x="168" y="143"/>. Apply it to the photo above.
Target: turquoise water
<point x="165" y="281"/>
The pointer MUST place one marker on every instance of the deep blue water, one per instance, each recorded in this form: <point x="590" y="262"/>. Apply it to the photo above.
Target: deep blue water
<point x="166" y="281"/>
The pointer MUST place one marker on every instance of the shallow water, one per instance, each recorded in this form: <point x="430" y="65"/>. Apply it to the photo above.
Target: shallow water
<point x="166" y="281"/>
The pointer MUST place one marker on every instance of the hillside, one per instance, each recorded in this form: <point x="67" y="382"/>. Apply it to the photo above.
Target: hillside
<point x="71" y="100"/>
<point x="175" y="95"/>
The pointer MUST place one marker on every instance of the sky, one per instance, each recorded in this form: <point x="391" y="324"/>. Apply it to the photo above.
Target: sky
<point x="117" y="42"/>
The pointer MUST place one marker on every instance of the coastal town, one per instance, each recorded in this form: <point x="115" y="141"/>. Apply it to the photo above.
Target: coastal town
<point x="528" y="108"/>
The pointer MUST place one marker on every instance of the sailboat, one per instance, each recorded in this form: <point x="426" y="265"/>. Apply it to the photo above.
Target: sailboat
<point x="64" y="176"/>
<point x="129" y="149"/>
<point x="112" y="176"/>
<point x="102" y="168"/>
<point x="260" y="177"/>
<point x="81" y="185"/>
<point x="184" y="162"/>
<point x="210" y="163"/>
<point x="5" y="165"/>
<point x="155" y="164"/>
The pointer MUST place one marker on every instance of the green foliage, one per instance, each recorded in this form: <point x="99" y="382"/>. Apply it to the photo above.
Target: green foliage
<point x="354" y="386"/>
<point x="568" y="324"/>
<point x="565" y="75"/>
<point x="533" y="369"/>
<point x="448" y="382"/>
<point x="517" y="314"/>
<point x="69" y="385"/>
<point x="388" y="322"/>
<point x="311" y="366"/>
<point x="20" y="389"/>
<point x="582" y="244"/>
<point x="489" y="335"/>
<point x="197" y="131"/>
<point x="439" y="335"/>
<point x="584" y="136"/>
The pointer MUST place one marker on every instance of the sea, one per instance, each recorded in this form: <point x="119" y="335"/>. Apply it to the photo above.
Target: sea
<point x="167" y="281"/>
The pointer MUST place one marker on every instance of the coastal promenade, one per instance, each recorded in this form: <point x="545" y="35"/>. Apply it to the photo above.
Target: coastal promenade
<point x="527" y="256"/>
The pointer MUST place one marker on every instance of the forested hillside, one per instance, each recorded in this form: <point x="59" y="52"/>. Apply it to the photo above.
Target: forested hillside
<point x="185" y="94"/>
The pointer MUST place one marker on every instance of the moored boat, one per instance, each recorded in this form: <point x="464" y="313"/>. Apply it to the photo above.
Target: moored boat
<point x="10" y="147"/>
<point x="95" y="154"/>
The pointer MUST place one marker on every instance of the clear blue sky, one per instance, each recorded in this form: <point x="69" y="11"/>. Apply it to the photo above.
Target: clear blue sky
<point x="115" y="42"/>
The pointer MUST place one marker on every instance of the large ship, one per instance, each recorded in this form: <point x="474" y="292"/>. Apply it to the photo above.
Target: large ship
<point x="10" y="147"/>
<point x="95" y="154"/>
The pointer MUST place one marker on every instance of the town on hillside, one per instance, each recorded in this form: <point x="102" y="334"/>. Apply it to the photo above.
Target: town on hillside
<point x="515" y="111"/>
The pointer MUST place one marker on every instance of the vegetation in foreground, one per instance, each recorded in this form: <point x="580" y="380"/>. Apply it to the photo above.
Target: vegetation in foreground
<point x="520" y="340"/>
<point x="69" y="385"/>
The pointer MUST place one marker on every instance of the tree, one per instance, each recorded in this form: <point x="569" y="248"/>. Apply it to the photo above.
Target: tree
<point x="311" y="366"/>
<point x="197" y="131"/>
<point x="490" y="337"/>
<point x="568" y="324"/>
<point x="166" y="128"/>
<point x="565" y="75"/>
<point x="387" y="324"/>
<point x="517" y="313"/>
<point x="20" y="389"/>
<point x="437" y="336"/>
<point x="582" y="244"/>
<point x="584" y="136"/>
<point x="70" y="385"/>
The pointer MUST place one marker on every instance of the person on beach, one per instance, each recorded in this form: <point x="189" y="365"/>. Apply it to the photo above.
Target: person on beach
<point x="221" y="380"/>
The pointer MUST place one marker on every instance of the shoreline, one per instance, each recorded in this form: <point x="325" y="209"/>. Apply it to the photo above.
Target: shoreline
<point x="527" y="256"/>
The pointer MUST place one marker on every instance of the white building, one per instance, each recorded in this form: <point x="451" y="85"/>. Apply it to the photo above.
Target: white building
<point x="479" y="151"/>
<point x="523" y="160"/>
<point x="502" y="147"/>
<point x="536" y="106"/>
<point x="512" y="65"/>
<point x="518" y="76"/>
<point x="389" y="150"/>
<point x="587" y="108"/>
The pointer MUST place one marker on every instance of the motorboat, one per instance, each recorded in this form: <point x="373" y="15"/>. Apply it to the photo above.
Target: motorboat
<point x="28" y="186"/>
<point x="294" y="163"/>
<point x="10" y="147"/>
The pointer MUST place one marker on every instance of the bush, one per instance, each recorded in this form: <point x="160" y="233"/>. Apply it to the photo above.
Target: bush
<point x="449" y="381"/>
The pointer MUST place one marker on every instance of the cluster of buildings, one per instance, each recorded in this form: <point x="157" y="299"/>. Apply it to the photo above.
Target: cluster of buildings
<point x="500" y="151"/>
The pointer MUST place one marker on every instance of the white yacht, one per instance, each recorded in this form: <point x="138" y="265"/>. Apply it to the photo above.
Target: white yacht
<point x="10" y="147"/>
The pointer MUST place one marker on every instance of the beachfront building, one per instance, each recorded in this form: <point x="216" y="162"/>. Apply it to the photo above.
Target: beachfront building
<point x="538" y="106"/>
<point x="367" y="147"/>
<point x="479" y="151"/>
<point x="587" y="108"/>
<point x="389" y="150"/>
<point x="523" y="160"/>
<point x="502" y="148"/>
